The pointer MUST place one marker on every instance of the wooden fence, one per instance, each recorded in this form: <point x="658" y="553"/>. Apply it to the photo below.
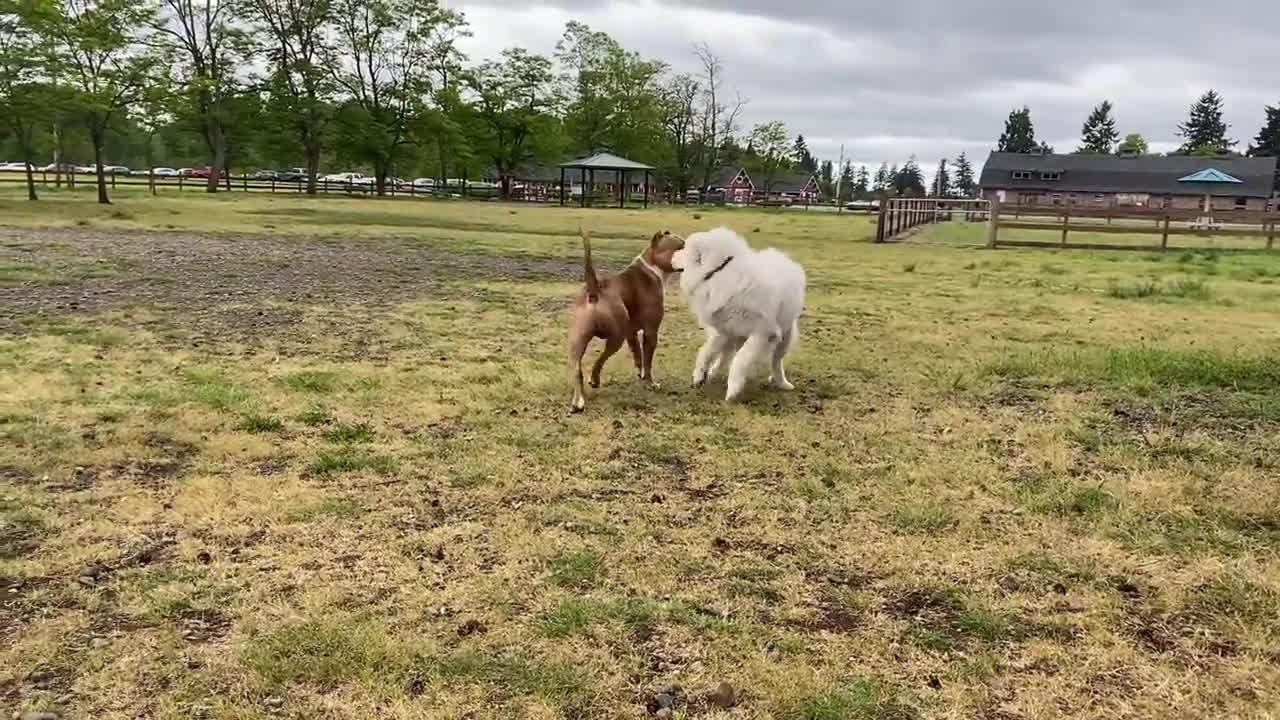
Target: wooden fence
<point x="1165" y="222"/>
<point x="898" y="215"/>
<point x="245" y="183"/>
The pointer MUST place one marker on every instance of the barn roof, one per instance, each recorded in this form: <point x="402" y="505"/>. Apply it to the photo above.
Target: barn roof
<point x="1153" y="174"/>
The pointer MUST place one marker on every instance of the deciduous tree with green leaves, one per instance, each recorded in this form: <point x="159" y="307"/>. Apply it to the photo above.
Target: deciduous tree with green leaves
<point x="772" y="154"/>
<point x="1133" y="144"/>
<point x="24" y="60"/>
<point x="513" y="103"/>
<point x="380" y="59"/>
<point x="97" y="53"/>
<point x="203" y="50"/>
<point x="292" y="36"/>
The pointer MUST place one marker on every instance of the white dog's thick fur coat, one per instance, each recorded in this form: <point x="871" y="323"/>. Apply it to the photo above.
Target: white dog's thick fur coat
<point x="748" y="302"/>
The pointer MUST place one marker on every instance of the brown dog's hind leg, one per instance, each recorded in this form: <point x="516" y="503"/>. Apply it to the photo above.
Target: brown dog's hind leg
<point x="611" y="345"/>
<point x="578" y="343"/>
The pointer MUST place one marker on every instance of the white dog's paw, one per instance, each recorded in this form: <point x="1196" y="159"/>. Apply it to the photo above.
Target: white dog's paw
<point x="781" y="384"/>
<point x="699" y="378"/>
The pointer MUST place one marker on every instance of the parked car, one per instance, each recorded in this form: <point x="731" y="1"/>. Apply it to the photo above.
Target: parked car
<point x="55" y="167"/>
<point x="163" y="172"/>
<point x="294" y="175"/>
<point x="347" y="178"/>
<point x="201" y="172"/>
<point x="15" y="167"/>
<point x="115" y="169"/>
<point x="266" y="175"/>
<point x="424" y="183"/>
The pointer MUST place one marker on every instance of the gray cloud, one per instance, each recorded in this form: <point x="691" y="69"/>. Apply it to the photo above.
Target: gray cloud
<point x="932" y="77"/>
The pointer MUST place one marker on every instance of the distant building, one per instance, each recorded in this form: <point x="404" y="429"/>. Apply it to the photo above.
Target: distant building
<point x="736" y="186"/>
<point x="1125" y="181"/>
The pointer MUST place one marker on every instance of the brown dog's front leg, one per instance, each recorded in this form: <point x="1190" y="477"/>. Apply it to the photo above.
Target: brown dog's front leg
<point x="633" y="342"/>
<point x="650" y="342"/>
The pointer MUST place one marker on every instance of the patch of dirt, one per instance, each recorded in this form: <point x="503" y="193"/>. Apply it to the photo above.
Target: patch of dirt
<point x="272" y="466"/>
<point x="215" y="286"/>
<point x="14" y="606"/>
<point x="15" y="475"/>
<point x="171" y="457"/>
<point x="202" y="626"/>
<point x="80" y="479"/>
<point x="934" y="608"/>
<point x="830" y="618"/>
<point x="767" y="550"/>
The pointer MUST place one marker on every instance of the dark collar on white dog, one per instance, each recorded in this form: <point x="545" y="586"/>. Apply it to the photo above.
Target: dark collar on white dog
<point x="718" y="268"/>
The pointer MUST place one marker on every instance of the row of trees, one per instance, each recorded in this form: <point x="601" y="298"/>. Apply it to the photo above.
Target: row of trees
<point x="1205" y="132"/>
<point x="380" y="84"/>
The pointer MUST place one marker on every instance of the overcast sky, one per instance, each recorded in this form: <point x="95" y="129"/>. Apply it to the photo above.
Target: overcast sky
<point x="934" y="77"/>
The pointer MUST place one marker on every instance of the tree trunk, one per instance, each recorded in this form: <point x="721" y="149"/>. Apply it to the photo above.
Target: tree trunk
<point x="24" y="134"/>
<point x="506" y="186"/>
<point x="96" y="133"/>
<point x="444" y="162"/>
<point x="217" y="156"/>
<point x="57" y="157"/>
<point x="380" y="178"/>
<point x="312" y="145"/>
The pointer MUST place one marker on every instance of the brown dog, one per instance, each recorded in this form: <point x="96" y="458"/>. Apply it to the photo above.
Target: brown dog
<point x="623" y="307"/>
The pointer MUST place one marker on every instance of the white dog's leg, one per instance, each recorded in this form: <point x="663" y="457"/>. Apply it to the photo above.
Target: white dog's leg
<point x="710" y="350"/>
<point x="727" y="350"/>
<point x="752" y="349"/>
<point x="779" y="377"/>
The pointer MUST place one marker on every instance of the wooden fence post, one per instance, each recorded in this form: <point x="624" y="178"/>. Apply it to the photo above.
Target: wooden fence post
<point x="1164" y="237"/>
<point x="993" y="225"/>
<point x="1271" y="236"/>
<point x="880" y="228"/>
<point x="1066" y="225"/>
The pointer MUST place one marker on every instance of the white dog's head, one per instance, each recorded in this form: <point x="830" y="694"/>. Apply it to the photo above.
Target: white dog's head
<point x="704" y="252"/>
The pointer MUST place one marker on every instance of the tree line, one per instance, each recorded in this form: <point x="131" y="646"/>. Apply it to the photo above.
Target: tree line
<point x="1205" y="132"/>
<point x="378" y="84"/>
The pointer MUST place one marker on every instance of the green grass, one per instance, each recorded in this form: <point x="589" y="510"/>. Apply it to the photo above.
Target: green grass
<point x="311" y="381"/>
<point x="348" y="460"/>
<point x="258" y="424"/>
<point x="578" y="569"/>
<point x="859" y="700"/>
<point x="1146" y="366"/>
<point x="349" y="434"/>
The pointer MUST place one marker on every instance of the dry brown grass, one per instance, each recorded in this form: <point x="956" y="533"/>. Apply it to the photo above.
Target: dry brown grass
<point x="1000" y="490"/>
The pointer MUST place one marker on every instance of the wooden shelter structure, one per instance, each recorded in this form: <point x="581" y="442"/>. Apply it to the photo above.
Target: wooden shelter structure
<point x="605" y="162"/>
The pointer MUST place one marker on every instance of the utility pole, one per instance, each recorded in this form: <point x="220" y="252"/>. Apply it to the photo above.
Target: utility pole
<point x="839" y="179"/>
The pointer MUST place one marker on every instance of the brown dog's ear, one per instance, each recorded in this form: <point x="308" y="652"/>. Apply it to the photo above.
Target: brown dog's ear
<point x="658" y="236"/>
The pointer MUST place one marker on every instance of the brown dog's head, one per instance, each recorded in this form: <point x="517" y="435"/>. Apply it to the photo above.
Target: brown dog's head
<point x="661" y="248"/>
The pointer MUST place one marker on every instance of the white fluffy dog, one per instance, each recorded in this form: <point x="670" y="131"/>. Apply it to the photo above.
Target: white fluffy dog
<point x="748" y="302"/>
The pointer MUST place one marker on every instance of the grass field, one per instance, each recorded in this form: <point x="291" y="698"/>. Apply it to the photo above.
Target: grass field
<point x="272" y="457"/>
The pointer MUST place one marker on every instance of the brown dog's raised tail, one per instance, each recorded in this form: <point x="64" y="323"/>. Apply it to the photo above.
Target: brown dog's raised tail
<point x="589" y="272"/>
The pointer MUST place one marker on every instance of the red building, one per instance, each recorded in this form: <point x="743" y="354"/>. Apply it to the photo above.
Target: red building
<point x="736" y="187"/>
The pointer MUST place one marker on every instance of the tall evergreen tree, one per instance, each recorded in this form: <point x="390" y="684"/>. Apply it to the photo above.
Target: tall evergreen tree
<point x="909" y="181"/>
<point x="846" y="182"/>
<point x="881" y="184"/>
<point x="805" y="161"/>
<point x="1099" y="134"/>
<point x="941" y="186"/>
<point x="862" y="184"/>
<point x="964" y="177"/>
<point x="1205" y="128"/>
<point x="1019" y="134"/>
<point x="1267" y="143"/>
